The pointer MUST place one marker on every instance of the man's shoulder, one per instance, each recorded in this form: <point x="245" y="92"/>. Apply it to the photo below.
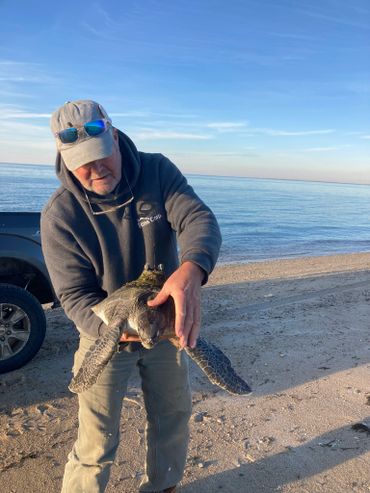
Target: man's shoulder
<point x="151" y="161"/>
<point x="151" y="157"/>
<point x="57" y="203"/>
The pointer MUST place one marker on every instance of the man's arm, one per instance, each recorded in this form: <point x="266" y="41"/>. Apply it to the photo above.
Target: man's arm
<point x="199" y="239"/>
<point x="72" y="275"/>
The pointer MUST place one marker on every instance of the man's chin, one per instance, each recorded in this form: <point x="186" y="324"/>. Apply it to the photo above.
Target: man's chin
<point x="102" y="192"/>
<point x="103" y="188"/>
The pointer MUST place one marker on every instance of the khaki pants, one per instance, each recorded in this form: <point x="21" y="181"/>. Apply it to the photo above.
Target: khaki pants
<point x="165" y="385"/>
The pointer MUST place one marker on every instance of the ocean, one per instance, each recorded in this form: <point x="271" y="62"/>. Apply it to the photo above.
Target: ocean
<point x="259" y="219"/>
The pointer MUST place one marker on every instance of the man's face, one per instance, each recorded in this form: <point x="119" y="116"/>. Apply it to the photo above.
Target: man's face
<point x="102" y="176"/>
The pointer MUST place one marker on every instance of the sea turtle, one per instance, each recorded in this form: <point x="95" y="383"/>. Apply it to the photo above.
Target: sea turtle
<point x="126" y="310"/>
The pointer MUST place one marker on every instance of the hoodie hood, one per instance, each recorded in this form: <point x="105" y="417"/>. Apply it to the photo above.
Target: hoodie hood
<point x="130" y="172"/>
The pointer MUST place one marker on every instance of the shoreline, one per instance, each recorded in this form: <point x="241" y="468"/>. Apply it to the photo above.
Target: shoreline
<point x="290" y="267"/>
<point x="291" y="257"/>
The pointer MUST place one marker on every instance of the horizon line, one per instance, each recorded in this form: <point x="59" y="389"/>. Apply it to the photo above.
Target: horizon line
<point x="228" y="176"/>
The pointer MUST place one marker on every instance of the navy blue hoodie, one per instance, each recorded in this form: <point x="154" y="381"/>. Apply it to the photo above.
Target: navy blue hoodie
<point x="90" y="256"/>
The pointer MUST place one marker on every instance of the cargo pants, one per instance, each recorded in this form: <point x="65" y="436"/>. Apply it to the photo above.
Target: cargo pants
<point x="165" y="384"/>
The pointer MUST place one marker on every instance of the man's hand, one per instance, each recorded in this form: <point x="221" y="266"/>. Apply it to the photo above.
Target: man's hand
<point x="129" y="338"/>
<point x="184" y="285"/>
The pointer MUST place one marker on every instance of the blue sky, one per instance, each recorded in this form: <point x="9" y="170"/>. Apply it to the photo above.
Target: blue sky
<point x="263" y="88"/>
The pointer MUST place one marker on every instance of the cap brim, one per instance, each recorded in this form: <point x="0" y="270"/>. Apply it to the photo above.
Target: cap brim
<point x="98" y="147"/>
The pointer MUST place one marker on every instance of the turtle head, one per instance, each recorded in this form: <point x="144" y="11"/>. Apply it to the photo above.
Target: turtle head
<point x="150" y="322"/>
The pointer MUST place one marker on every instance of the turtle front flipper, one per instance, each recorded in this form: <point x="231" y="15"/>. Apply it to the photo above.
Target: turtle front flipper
<point x="217" y="366"/>
<point x="96" y="359"/>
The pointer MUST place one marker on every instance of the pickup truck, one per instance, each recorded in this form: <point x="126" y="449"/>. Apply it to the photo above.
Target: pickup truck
<point x="24" y="286"/>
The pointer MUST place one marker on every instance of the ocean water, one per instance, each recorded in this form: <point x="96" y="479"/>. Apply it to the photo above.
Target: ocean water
<point x="259" y="219"/>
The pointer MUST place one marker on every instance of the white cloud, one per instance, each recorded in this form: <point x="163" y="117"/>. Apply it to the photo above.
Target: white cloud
<point x="42" y="145"/>
<point x="215" y="154"/>
<point x="345" y="20"/>
<point x="15" y="132"/>
<point x="226" y="126"/>
<point x="293" y="133"/>
<point x="20" y="72"/>
<point x="10" y="114"/>
<point x="24" y="115"/>
<point x="163" y="135"/>
<point x="151" y="114"/>
<point x="9" y="93"/>
<point x="130" y="114"/>
<point x="325" y="149"/>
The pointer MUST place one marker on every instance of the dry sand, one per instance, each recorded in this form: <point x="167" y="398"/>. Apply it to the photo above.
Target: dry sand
<point x="297" y="330"/>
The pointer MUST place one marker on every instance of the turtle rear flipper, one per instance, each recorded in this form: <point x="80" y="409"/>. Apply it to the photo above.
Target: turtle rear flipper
<point x="217" y="366"/>
<point x="95" y="360"/>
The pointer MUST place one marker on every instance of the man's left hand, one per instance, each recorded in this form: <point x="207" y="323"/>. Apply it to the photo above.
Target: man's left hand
<point x="184" y="285"/>
<point x="129" y="338"/>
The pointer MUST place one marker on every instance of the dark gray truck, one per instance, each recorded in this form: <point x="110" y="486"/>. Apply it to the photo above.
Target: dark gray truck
<point x="24" y="286"/>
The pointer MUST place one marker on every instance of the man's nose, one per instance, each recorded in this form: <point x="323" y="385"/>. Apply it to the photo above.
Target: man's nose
<point x="97" y="167"/>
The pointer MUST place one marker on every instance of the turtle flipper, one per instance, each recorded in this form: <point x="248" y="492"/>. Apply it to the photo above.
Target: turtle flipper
<point x="95" y="360"/>
<point x="217" y="366"/>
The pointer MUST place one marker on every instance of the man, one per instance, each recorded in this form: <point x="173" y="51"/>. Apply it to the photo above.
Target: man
<point x="118" y="209"/>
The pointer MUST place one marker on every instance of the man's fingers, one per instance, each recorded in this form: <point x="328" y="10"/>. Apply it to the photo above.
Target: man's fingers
<point x="184" y="287"/>
<point x="195" y="329"/>
<point x="180" y="314"/>
<point x="187" y="324"/>
<point x="161" y="297"/>
<point x="129" y="338"/>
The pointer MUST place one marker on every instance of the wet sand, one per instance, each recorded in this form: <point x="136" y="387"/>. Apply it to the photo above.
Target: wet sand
<point x="296" y="330"/>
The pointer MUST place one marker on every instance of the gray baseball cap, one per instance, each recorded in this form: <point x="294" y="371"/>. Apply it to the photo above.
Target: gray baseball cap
<point x="86" y="148"/>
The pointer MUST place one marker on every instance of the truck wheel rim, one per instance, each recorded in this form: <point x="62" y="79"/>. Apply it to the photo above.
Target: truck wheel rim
<point x="15" y="330"/>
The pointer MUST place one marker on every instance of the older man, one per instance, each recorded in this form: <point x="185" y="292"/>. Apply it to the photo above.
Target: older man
<point x="116" y="210"/>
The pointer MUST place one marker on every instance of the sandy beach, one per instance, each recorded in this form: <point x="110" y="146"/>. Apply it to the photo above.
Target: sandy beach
<point x="296" y="330"/>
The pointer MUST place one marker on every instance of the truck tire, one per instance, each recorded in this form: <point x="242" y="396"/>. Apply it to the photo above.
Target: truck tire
<point x="22" y="327"/>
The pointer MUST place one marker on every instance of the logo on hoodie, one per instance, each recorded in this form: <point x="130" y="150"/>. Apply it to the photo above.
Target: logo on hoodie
<point x="145" y="221"/>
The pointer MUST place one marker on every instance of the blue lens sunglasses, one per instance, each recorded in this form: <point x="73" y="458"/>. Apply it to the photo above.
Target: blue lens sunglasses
<point x="90" y="129"/>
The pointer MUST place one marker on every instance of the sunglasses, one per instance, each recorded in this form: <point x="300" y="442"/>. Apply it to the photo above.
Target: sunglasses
<point x="83" y="132"/>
